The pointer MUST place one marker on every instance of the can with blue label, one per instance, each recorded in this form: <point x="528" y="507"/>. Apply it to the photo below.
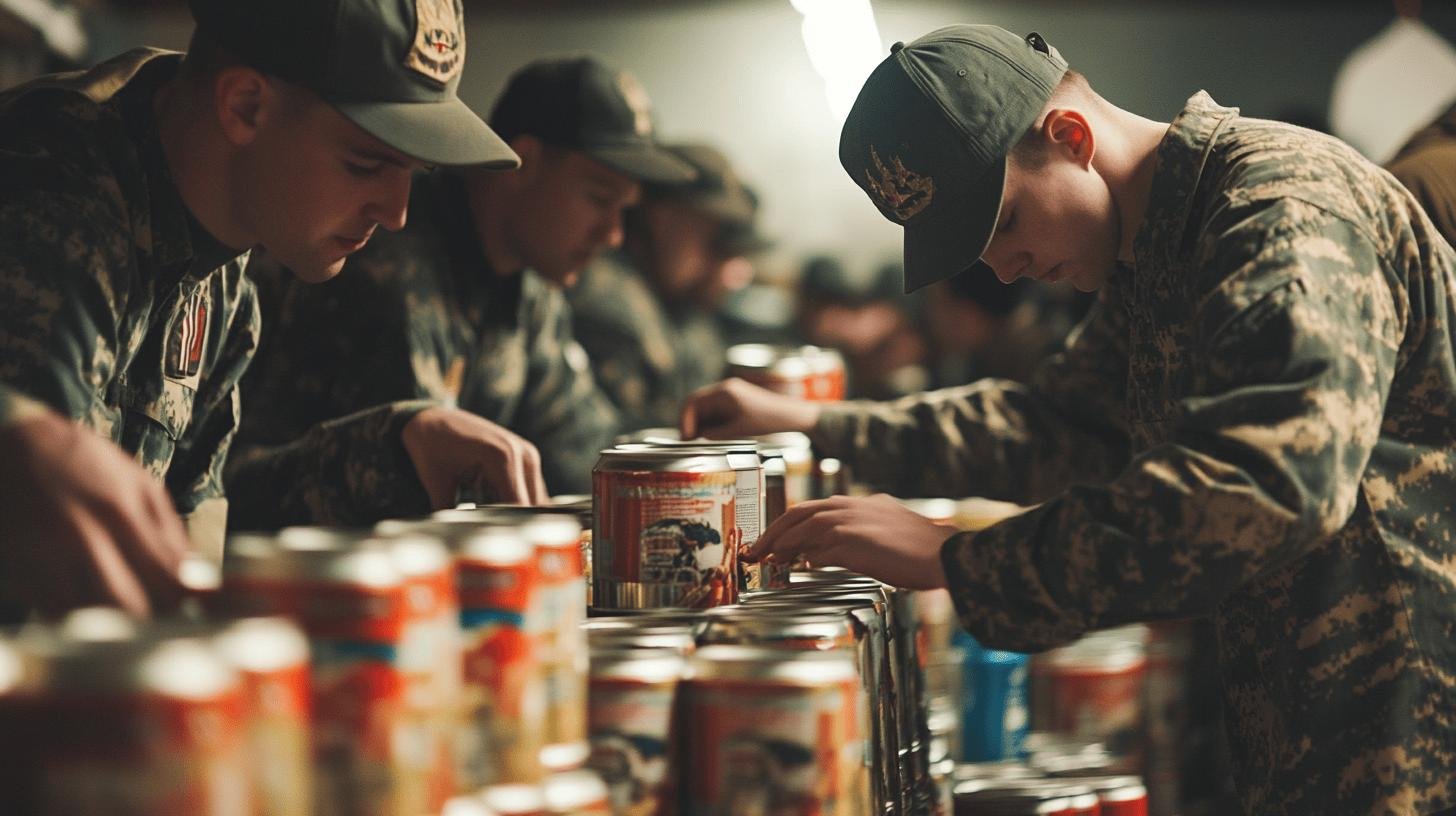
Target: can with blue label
<point x="995" y="720"/>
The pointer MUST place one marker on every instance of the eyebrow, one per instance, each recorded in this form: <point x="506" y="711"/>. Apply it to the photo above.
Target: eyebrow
<point x="370" y="154"/>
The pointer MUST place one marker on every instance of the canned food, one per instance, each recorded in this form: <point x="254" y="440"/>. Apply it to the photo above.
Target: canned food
<point x="122" y="722"/>
<point x="827" y="373"/>
<point x="632" y="695"/>
<point x="562" y="601"/>
<point x="823" y="630"/>
<point x="990" y="798"/>
<point x="665" y="532"/>
<point x="1092" y="690"/>
<point x="429" y="657"/>
<point x="798" y="454"/>
<point x="777" y="368"/>
<point x="764" y="575"/>
<point x="772" y="731"/>
<point x="1118" y="795"/>
<point x="576" y="793"/>
<point x="348" y="595"/>
<point x="627" y="633"/>
<point x="271" y="658"/>
<point x="504" y="696"/>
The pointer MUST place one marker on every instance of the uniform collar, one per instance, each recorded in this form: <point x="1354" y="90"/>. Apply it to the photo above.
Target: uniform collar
<point x="1181" y="159"/>
<point x="176" y="241"/>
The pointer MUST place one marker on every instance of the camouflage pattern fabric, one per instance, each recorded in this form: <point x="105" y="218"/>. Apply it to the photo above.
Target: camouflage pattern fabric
<point x="1255" y="425"/>
<point x="116" y="308"/>
<point x="1426" y="165"/>
<point x="646" y="357"/>
<point x="416" y="318"/>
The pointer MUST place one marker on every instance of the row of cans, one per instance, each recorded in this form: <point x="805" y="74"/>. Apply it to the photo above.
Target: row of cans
<point x="1021" y="789"/>
<point x="808" y="372"/>
<point x="804" y="699"/>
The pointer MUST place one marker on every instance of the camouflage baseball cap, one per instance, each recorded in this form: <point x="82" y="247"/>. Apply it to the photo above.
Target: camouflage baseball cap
<point x="579" y="103"/>
<point x="390" y="66"/>
<point x="929" y="135"/>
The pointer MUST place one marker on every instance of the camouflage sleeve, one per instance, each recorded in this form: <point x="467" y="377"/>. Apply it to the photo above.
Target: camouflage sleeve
<point x="195" y="474"/>
<point x="1297" y="351"/>
<point x="348" y="471"/>
<point x="66" y="268"/>
<point x="563" y="412"/>
<point x="323" y="406"/>
<point x="996" y="438"/>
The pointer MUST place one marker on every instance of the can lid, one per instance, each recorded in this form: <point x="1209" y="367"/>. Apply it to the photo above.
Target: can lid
<point x="263" y="645"/>
<point x="515" y="800"/>
<point x="571" y="791"/>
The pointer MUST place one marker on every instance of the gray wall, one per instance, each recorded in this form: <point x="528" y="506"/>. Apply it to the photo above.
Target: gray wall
<point x="735" y="72"/>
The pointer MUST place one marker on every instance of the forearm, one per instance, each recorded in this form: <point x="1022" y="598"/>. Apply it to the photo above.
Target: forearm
<point x="351" y="470"/>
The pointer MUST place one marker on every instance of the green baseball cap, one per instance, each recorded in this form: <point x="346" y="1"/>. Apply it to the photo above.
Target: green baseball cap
<point x="578" y="103"/>
<point x="929" y="135"/>
<point x="716" y="190"/>
<point x="390" y="66"/>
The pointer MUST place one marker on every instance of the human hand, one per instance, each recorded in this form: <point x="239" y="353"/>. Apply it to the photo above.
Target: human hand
<point x="875" y="536"/>
<point x="451" y="448"/>
<point x="82" y="524"/>
<point x="734" y="408"/>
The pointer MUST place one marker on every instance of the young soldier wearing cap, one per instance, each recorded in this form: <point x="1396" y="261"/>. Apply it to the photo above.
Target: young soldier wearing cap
<point x="453" y="327"/>
<point x="128" y="196"/>
<point x="645" y="315"/>
<point x="1253" y="425"/>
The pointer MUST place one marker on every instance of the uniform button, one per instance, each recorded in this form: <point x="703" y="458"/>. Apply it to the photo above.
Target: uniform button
<point x="895" y="49"/>
<point x="961" y="72"/>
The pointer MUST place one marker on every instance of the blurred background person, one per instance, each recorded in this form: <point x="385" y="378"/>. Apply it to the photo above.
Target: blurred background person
<point x="646" y="314"/>
<point x="867" y="320"/>
<point x="1426" y="165"/>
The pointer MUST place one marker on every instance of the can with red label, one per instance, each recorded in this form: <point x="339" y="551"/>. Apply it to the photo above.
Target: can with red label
<point x="429" y="658"/>
<point x="100" y="717"/>
<point x="665" y="531"/>
<point x="632" y="695"/>
<point x="271" y="658"/>
<point x="561" y="605"/>
<point x="777" y="368"/>
<point x="348" y="595"/>
<point x="772" y="731"/>
<point x="827" y="373"/>
<point x="1118" y="795"/>
<point x="1092" y="690"/>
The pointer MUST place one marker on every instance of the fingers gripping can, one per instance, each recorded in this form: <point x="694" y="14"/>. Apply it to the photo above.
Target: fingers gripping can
<point x="664" y="529"/>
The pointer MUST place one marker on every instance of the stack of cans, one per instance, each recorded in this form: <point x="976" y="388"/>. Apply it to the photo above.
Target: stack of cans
<point x="1018" y="789"/>
<point x="104" y="715"/>
<point x="1092" y="690"/>
<point x="808" y="372"/>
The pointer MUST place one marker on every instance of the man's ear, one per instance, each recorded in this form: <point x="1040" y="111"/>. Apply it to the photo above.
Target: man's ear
<point x="1069" y="131"/>
<point x="242" y="99"/>
<point x="533" y="154"/>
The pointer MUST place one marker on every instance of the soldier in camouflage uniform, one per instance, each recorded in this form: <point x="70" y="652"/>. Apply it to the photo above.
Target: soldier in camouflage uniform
<point x="646" y="315"/>
<point x="128" y="196"/>
<point x="456" y="322"/>
<point x="1253" y="424"/>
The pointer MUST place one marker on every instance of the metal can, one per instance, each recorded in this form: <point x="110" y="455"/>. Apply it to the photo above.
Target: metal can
<point x="632" y="696"/>
<point x="429" y="657"/>
<point x="112" y="719"/>
<point x="1000" y="798"/>
<point x="798" y="455"/>
<point x="606" y="634"/>
<point x="576" y="793"/>
<point x="827" y="373"/>
<point x="1118" y="795"/>
<point x="1092" y="690"/>
<point x="347" y="594"/>
<point x="765" y="575"/>
<point x="748" y="498"/>
<point x="271" y="658"/>
<point x="504" y="697"/>
<point x="777" y="368"/>
<point x="785" y="628"/>
<point x="562" y="601"/>
<point x="995" y="714"/>
<point x="772" y="730"/>
<point x="664" y="532"/>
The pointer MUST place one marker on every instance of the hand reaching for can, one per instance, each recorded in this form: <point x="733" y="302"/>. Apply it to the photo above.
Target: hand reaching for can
<point x="734" y="409"/>
<point x="81" y="523"/>
<point x="875" y="536"/>
<point x="451" y="449"/>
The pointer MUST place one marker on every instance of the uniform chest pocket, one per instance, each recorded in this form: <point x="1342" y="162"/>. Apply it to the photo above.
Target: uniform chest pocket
<point x="156" y="414"/>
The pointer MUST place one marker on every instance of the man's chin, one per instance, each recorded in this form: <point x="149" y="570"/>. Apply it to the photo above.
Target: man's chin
<point x="317" y="272"/>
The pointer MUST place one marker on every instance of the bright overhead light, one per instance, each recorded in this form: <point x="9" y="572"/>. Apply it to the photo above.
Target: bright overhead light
<point x="844" y="47"/>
